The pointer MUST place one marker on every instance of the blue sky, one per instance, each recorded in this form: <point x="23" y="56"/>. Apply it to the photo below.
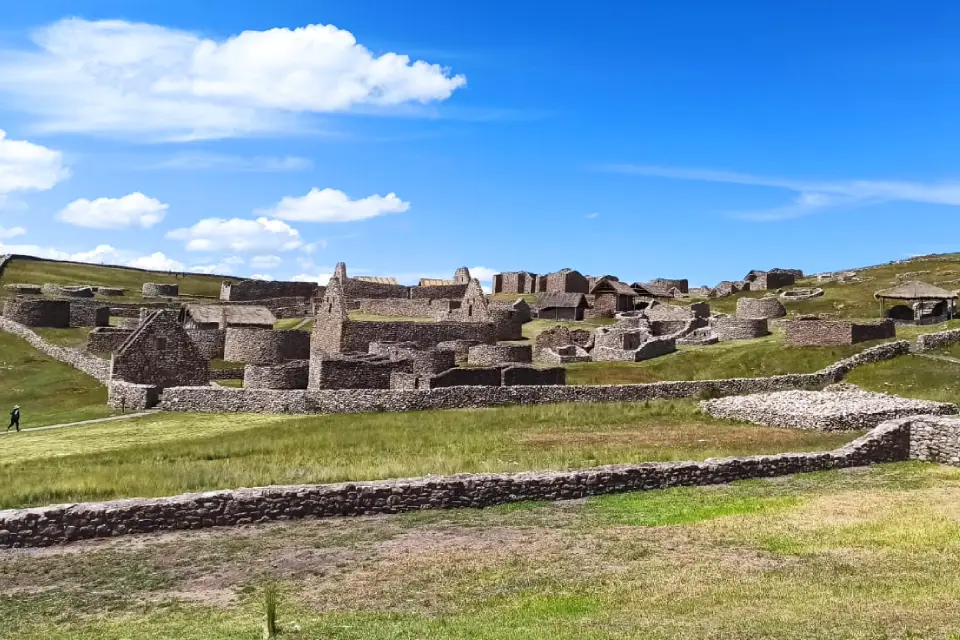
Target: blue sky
<point x="684" y="139"/>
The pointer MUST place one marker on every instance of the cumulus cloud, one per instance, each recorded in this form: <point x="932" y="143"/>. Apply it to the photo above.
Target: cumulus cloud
<point x="156" y="262"/>
<point x="261" y="276"/>
<point x="134" y="210"/>
<point x="265" y="262"/>
<point x="25" y="166"/>
<point x="116" y="76"/>
<point x="332" y="205"/>
<point x="12" y="232"/>
<point x="239" y="235"/>
<point x="319" y="278"/>
<point x="227" y="163"/>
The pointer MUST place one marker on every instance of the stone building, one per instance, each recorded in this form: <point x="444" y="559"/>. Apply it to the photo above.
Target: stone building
<point x="33" y="312"/>
<point x="768" y="307"/>
<point x="160" y="290"/>
<point x="518" y="282"/>
<point x="245" y="290"/>
<point x="561" y="306"/>
<point x="812" y="331"/>
<point x="770" y="280"/>
<point x="161" y="354"/>
<point x="566" y="281"/>
<point x="611" y="297"/>
<point x="221" y="316"/>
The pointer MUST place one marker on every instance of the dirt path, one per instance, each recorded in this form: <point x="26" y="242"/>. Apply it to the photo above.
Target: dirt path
<point x="84" y="422"/>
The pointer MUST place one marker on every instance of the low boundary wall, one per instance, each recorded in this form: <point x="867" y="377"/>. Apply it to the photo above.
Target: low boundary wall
<point x="88" y="363"/>
<point x="59" y="524"/>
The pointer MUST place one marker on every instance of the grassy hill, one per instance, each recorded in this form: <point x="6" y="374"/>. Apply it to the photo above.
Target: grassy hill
<point x="855" y="299"/>
<point x="27" y="271"/>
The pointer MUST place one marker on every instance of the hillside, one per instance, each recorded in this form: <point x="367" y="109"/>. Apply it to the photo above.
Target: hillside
<point x="855" y="299"/>
<point x="35" y="271"/>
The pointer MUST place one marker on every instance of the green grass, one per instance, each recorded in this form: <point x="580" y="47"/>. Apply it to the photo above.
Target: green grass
<point x="912" y="376"/>
<point x="171" y="453"/>
<point x="868" y="554"/>
<point x="856" y="300"/>
<point x="42" y="272"/>
<point x="290" y="323"/>
<point x="535" y="327"/>
<point x="48" y="391"/>
<point x="766" y="356"/>
<point x="75" y="337"/>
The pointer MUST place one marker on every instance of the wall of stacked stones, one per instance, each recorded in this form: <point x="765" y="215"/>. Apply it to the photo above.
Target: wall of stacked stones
<point x="937" y="340"/>
<point x="58" y="524"/>
<point x="248" y="290"/>
<point x="353" y="372"/>
<point x="210" y="342"/>
<point x="402" y="307"/>
<point x="526" y="376"/>
<point x="438" y="292"/>
<point x="289" y="375"/>
<point x="265" y="346"/>
<point x="90" y="364"/>
<point x="935" y="440"/>
<point x="38" y="313"/>
<point x="487" y="376"/>
<point x="89" y="314"/>
<point x="668" y="283"/>
<point x="235" y="373"/>
<point x="823" y="333"/>
<point x="160" y="290"/>
<point x="357" y="336"/>
<point x="107" y="339"/>
<point x="132" y="397"/>
<point x="283" y="307"/>
<point x="494" y="354"/>
<point x="739" y="328"/>
<point x="760" y="308"/>
<point x="359" y="289"/>
<point x="866" y="331"/>
<point x="159" y="352"/>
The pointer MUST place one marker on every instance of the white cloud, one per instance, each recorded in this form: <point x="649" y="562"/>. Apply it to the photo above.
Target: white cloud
<point x="591" y="216"/>
<point x="239" y="235"/>
<point x="321" y="278"/>
<point x="116" y="76"/>
<point x="265" y="262"/>
<point x="261" y="276"/>
<point x="332" y="205"/>
<point x="12" y="232"/>
<point x="134" y="210"/>
<point x="156" y="262"/>
<point x="26" y="166"/>
<point x="812" y="196"/>
<point x="219" y="162"/>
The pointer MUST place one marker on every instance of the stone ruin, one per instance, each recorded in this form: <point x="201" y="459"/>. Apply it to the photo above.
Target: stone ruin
<point x="68" y="291"/>
<point x="802" y="293"/>
<point x="160" y="290"/>
<point x="765" y="308"/>
<point x="160" y="354"/>
<point x="813" y="331"/>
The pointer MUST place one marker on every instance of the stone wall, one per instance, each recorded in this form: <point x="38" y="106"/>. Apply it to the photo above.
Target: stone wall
<point x="772" y="280"/>
<point x="210" y="342"/>
<point x="438" y="292"/>
<point x="566" y="281"/>
<point x="682" y="284"/>
<point x="805" y="332"/>
<point x="283" y="307"/>
<point x="937" y="340"/>
<point x="494" y="354"/>
<point x="95" y="367"/>
<point x="935" y="439"/>
<point x="265" y="346"/>
<point x="401" y="307"/>
<point x="38" y="313"/>
<point x="359" y="289"/>
<point x="78" y="291"/>
<point x="59" y="524"/>
<point x="246" y="290"/>
<point x="289" y="375"/>
<point x="107" y="339"/>
<point x="353" y="371"/>
<point x="531" y="376"/>
<point x="515" y="282"/>
<point x="561" y="336"/>
<point x="426" y="361"/>
<point x="760" y="308"/>
<point x="89" y="314"/>
<point x="158" y="290"/>
<point x="132" y="397"/>
<point x="738" y="328"/>
<point x="356" y="336"/>
<point x="478" y="377"/>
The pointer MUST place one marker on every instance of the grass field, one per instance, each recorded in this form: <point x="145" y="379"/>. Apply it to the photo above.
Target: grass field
<point x="866" y="553"/>
<point x="66" y="273"/>
<point x="172" y="453"/>
<point x="48" y="391"/>
<point x="855" y="300"/>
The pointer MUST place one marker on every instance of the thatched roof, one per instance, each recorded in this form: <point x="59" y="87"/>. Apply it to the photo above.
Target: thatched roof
<point x="235" y="314"/>
<point x="376" y="279"/>
<point x="606" y="284"/>
<point x="434" y="282"/>
<point x="915" y="290"/>
<point x="561" y="300"/>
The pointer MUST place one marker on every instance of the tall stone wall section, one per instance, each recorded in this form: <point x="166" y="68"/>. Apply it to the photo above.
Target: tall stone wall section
<point x="289" y="375"/>
<point x="89" y="314"/>
<point x="820" y="332"/>
<point x="159" y="352"/>
<point x="937" y="340"/>
<point x="248" y="290"/>
<point x="95" y="367"/>
<point x="265" y="346"/>
<point x="210" y="342"/>
<point x="356" y="336"/>
<point x="401" y="307"/>
<point x="107" y="339"/>
<point x="760" y="308"/>
<point x="160" y="290"/>
<point x="59" y="524"/>
<point x="493" y="354"/>
<point x="283" y="307"/>
<point x="438" y="292"/>
<point x="935" y="439"/>
<point x="359" y="289"/>
<point x="739" y="328"/>
<point x="354" y="371"/>
<point x="38" y="313"/>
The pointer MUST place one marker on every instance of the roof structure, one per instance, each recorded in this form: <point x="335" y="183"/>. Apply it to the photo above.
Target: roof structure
<point x="376" y="279"/>
<point x="561" y="300"/>
<point x="618" y="287"/>
<point x="915" y="290"/>
<point x="233" y="314"/>
<point x="435" y="282"/>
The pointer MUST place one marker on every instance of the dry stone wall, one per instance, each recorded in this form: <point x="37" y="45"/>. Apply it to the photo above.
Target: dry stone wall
<point x="494" y="354"/>
<point x="159" y="352"/>
<point x="95" y="367"/>
<point x="59" y="524"/>
<point x="132" y="397"/>
<point x="158" y="290"/>
<point x="289" y="375"/>
<point x="739" y="328"/>
<point x="210" y="342"/>
<point x="247" y="290"/>
<point x="107" y="339"/>
<point x="38" y="313"/>
<point x="401" y="307"/>
<point x="820" y="332"/>
<point x="760" y="308"/>
<point x="937" y="340"/>
<point x="89" y="314"/>
<point x="353" y="371"/>
<point x="935" y="439"/>
<point x="265" y="346"/>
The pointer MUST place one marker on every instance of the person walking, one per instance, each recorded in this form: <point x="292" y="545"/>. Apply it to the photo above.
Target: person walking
<point x="15" y="418"/>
